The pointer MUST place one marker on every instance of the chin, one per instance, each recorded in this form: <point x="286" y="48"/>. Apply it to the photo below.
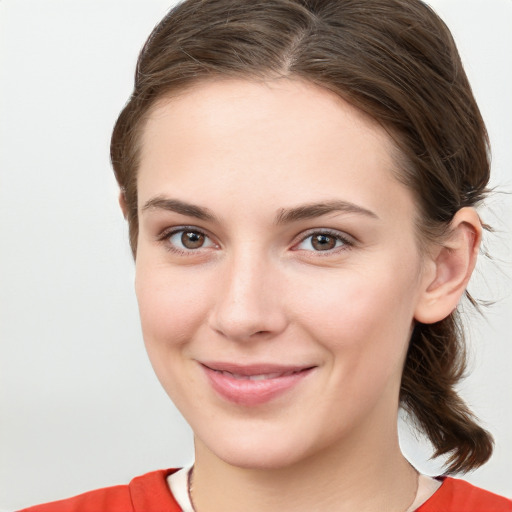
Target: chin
<point x="262" y="451"/>
<point x="259" y="459"/>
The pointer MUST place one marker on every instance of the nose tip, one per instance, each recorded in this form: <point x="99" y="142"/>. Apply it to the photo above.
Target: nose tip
<point x="248" y="307"/>
<point x="248" y="320"/>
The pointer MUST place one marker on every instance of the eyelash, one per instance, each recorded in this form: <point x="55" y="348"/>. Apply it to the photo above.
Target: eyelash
<point x="347" y="242"/>
<point x="164" y="238"/>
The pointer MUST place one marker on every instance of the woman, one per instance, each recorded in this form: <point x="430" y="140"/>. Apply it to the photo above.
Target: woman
<point x="299" y="180"/>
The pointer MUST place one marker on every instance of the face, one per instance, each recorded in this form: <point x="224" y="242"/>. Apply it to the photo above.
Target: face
<point x="277" y="271"/>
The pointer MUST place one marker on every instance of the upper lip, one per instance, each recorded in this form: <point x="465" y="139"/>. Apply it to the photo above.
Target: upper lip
<point x="254" y="369"/>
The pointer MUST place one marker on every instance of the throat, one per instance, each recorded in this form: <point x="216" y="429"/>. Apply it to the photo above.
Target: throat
<point x="303" y="487"/>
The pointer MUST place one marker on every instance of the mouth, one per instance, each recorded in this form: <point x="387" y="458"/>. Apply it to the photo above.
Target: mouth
<point x="251" y="385"/>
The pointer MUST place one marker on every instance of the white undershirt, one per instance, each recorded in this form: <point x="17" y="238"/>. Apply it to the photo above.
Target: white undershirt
<point x="427" y="486"/>
<point x="178" y="483"/>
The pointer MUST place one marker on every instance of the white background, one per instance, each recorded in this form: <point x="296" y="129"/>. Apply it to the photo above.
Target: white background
<point x="79" y="405"/>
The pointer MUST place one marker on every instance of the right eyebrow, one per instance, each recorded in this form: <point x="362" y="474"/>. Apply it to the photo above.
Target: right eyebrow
<point x="181" y="207"/>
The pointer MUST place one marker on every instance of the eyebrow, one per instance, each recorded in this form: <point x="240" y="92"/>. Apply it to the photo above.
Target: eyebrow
<point x="310" y="211"/>
<point x="175" y="205"/>
<point x="283" y="216"/>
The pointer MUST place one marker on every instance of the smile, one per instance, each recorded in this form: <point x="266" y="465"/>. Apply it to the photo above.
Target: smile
<point x="254" y="384"/>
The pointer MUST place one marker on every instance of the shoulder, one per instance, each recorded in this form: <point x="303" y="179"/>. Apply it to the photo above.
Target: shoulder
<point x="145" y="493"/>
<point x="456" y="495"/>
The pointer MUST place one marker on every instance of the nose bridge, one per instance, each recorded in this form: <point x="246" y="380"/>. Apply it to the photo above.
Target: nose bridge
<point x="247" y="304"/>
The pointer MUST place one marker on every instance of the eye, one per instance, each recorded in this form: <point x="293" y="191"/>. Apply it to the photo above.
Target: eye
<point x="323" y="241"/>
<point x="187" y="240"/>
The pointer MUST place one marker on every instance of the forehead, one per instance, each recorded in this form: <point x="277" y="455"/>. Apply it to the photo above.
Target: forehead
<point x="279" y="109"/>
<point x="285" y="139"/>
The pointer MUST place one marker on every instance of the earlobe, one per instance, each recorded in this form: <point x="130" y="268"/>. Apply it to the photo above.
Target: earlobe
<point x="450" y="268"/>
<point x="122" y="204"/>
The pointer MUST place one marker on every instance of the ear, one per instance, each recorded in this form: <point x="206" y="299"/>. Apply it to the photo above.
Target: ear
<point x="122" y="204"/>
<point x="449" y="268"/>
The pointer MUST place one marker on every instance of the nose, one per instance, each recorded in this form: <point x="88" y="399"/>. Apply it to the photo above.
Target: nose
<point x="249" y="305"/>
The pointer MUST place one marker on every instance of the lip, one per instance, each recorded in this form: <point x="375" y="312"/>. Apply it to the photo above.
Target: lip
<point x="255" y="384"/>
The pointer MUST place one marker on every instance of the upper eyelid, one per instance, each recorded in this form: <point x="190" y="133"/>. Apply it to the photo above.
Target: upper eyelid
<point x="166" y="232"/>
<point x="328" y="231"/>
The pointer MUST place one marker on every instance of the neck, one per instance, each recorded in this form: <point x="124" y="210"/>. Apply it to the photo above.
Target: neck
<point x="362" y="473"/>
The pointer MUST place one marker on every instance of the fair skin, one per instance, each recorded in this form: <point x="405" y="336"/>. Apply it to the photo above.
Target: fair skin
<point x="238" y="275"/>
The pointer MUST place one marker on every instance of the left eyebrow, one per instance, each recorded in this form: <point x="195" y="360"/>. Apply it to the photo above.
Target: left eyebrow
<point x="312" y="210"/>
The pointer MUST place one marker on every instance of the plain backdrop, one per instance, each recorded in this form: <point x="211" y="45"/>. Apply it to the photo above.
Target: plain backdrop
<point x="80" y="407"/>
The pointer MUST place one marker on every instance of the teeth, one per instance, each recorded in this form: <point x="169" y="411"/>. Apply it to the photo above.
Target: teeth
<point x="263" y="376"/>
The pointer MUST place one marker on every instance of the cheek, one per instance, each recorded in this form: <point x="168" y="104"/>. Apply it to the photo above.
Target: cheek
<point x="361" y="312"/>
<point x="364" y="325"/>
<point x="172" y="309"/>
<point x="171" y="305"/>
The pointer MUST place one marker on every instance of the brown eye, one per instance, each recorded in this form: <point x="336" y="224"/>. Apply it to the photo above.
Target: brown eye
<point x="323" y="242"/>
<point x="188" y="241"/>
<point x="192" y="239"/>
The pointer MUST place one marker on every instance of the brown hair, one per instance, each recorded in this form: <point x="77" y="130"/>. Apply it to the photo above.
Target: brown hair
<point x="394" y="60"/>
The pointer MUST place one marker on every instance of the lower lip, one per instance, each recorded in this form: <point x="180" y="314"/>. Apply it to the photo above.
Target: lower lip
<point x="247" y="392"/>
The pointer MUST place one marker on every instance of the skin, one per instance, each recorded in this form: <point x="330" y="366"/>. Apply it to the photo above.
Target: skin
<point x="258" y="291"/>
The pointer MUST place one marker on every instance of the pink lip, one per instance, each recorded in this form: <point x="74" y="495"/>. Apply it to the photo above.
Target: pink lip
<point x="251" y="385"/>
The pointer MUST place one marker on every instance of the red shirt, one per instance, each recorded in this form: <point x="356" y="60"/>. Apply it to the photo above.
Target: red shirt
<point x="150" y="493"/>
<point x="456" y="495"/>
